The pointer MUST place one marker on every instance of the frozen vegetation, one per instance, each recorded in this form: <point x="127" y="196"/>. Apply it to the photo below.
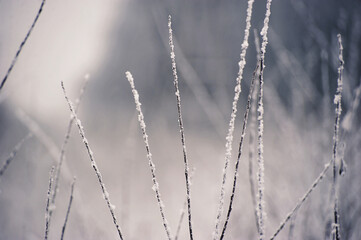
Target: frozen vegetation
<point x="276" y="142"/>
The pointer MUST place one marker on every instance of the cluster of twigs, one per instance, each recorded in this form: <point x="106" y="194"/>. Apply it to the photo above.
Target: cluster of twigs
<point x="255" y="98"/>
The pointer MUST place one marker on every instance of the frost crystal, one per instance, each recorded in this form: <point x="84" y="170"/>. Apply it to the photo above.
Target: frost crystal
<point x="155" y="187"/>
<point x="105" y="194"/>
<point x="52" y="207"/>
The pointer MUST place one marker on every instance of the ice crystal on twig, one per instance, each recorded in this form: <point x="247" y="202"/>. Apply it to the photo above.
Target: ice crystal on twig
<point x="149" y="155"/>
<point x="180" y="121"/>
<point x="65" y="143"/>
<point x="48" y="199"/>
<point x="260" y="176"/>
<point x="229" y="138"/>
<point x="92" y="161"/>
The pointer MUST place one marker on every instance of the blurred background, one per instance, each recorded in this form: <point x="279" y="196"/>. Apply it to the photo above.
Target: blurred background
<point x="106" y="38"/>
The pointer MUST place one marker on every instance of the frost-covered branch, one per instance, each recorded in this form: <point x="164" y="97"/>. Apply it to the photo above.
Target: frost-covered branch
<point x="303" y="199"/>
<point x="65" y="143"/>
<point x="252" y="132"/>
<point x="338" y="110"/>
<point x="111" y="207"/>
<point x="229" y="138"/>
<point x="337" y="101"/>
<point x="48" y="199"/>
<point x="260" y="176"/>
<point x="183" y="210"/>
<point x="181" y="128"/>
<point x="149" y="155"/>
<point x="243" y="134"/>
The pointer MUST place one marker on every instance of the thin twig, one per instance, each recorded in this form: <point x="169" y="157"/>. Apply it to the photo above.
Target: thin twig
<point x="13" y="153"/>
<point x="181" y="128"/>
<point x="149" y="155"/>
<point x="292" y="227"/>
<point x="65" y="142"/>
<point x="47" y="209"/>
<point x="22" y="45"/>
<point x="183" y="210"/>
<point x="243" y="134"/>
<point x="111" y="207"/>
<point x="303" y="199"/>
<point x="252" y="132"/>
<point x="192" y="79"/>
<point x="338" y="110"/>
<point x="68" y="210"/>
<point x="229" y="138"/>
<point x="260" y="201"/>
